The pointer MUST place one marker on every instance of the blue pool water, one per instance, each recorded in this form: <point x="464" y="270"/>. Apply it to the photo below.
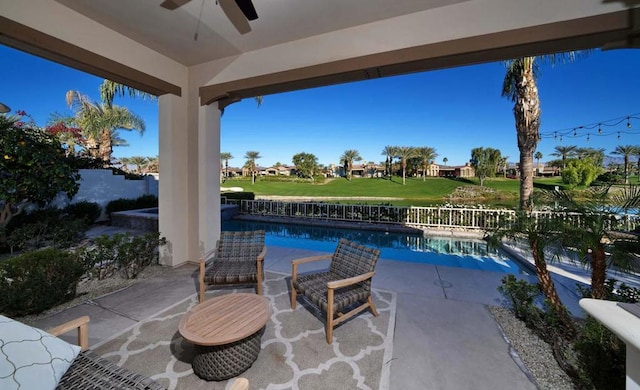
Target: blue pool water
<point x="447" y="251"/>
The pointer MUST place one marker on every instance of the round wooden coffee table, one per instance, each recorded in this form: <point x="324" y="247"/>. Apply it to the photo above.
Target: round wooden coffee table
<point x="226" y="331"/>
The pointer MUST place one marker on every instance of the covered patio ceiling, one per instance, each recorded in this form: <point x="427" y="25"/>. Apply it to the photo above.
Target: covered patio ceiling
<point x="295" y="44"/>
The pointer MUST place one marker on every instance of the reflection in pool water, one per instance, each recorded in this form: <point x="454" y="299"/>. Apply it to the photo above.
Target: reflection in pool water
<point x="447" y="251"/>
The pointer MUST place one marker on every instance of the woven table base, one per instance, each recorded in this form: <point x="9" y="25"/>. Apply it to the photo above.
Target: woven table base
<point x="222" y="362"/>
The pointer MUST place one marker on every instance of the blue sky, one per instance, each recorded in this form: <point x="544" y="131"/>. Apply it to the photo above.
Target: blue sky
<point x="452" y="110"/>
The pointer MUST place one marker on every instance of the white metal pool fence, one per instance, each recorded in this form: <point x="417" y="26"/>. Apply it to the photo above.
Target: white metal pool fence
<point x="420" y="217"/>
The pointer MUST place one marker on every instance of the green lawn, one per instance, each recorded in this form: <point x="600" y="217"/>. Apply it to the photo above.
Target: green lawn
<point x="416" y="192"/>
<point x="431" y="189"/>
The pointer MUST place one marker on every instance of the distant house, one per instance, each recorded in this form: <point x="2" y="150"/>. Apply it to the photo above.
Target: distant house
<point x="436" y="170"/>
<point x="282" y="170"/>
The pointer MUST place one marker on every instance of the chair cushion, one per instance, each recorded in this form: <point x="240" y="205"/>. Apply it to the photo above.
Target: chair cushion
<point x="314" y="287"/>
<point x="90" y="371"/>
<point x="351" y="259"/>
<point x="31" y="358"/>
<point x="231" y="272"/>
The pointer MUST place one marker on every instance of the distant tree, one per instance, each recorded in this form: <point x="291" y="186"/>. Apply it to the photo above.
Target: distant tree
<point x="33" y="169"/>
<point x="627" y="151"/>
<point x="426" y="154"/>
<point x="153" y="164"/>
<point x="538" y="156"/>
<point x="124" y="162"/>
<point x="485" y="162"/>
<point x="445" y="161"/>
<point x="348" y="157"/>
<point x="596" y="155"/>
<point x="565" y="152"/>
<point x="502" y="165"/>
<point x="306" y="164"/>
<point x="404" y="153"/>
<point x="139" y="162"/>
<point x="390" y="152"/>
<point x="580" y="172"/>
<point x="251" y="157"/>
<point x="225" y="156"/>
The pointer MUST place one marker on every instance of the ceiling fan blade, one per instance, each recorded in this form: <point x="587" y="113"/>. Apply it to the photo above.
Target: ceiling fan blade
<point x="235" y="15"/>
<point x="173" y="4"/>
<point x="247" y="8"/>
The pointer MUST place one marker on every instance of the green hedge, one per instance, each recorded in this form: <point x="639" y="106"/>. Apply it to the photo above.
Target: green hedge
<point x="39" y="280"/>
<point x="123" y="204"/>
<point x="239" y="195"/>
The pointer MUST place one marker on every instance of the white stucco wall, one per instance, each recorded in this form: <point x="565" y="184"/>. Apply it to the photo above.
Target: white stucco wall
<point x="102" y="186"/>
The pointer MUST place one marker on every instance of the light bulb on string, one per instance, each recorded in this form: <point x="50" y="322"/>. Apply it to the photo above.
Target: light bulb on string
<point x="599" y="128"/>
<point x="575" y="133"/>
<point x="628" y="123"/>
<point x="618" y="135"/>
<point x="555" y="135"/>
<point x="588" y="137"/>
<point x="560" y="138"/>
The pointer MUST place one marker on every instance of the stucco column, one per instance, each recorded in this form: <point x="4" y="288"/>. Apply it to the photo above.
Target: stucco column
<point x="209" y="176"/>
<point x="177" y="192"/>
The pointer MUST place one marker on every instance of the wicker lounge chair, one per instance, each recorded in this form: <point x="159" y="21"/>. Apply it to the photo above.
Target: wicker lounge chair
<point x="346" y="283"/>
<point x="90" y="371"/>
<point x="236" y="259"/>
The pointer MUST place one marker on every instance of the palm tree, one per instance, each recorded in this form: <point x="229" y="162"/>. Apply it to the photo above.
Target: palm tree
<point x="502" y="163"/>
<point x="251" y="157"/>
<point x="153" y="164"/>
<point x="348" y="157"/>
<point x="225" y="156"/>
<point x="99" y="121"/>
<point x="519" y="85"/>
<point x="539" y="233"/>
<point x="564" y="152"/>
<point x="538" y="156"/>
<point x="390" y="152"/>
<point x="445" y="161"/>
<point x="125" y="161"/>
<point x="405" y="153"/>
<point x="626" y="151"/>
<point x="597" y="155"/>
<point x="426" y="154"/>
<point x="139" y="162"/>
<point x="109" y="89"/>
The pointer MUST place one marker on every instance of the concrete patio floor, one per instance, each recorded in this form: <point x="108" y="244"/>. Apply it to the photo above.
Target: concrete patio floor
<point x="445" y="338"/>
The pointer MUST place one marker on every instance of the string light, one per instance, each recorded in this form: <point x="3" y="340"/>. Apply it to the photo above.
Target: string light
<point x="598" y="129"/>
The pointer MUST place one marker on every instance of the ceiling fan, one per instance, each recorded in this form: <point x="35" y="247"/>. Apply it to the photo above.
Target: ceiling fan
<point x="239" y="12"/>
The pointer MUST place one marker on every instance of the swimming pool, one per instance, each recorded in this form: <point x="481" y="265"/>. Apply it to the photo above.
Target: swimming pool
<point x="446" y="251"/>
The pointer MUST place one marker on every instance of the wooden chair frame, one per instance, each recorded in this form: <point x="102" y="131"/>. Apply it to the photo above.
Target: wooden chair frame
<point x="331" y="322"/>
<point x="203" y="284"/>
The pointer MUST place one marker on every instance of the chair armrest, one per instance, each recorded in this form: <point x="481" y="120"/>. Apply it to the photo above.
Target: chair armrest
<point x="295" y="263"/>
<point x="80" y="323"/>
<point x="311" y="259"/>
<point x="262" y="253"/>
<point x="240" y="384"/>
<point x="349" y="281"/>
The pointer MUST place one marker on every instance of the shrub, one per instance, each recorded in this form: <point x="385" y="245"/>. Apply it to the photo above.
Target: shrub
<point x="521" y="294"/>
<point x="45" y="227"/>
<point x="38" y="280"/>
<point x="121" y="252"/>
<point x="239" y="195"/>
<point x="602" y="356"/>
<point x="87" y="211"/>
<point x="123" y="204"/>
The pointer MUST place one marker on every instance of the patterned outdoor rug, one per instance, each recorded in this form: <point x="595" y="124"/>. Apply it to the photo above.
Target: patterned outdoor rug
<point x="295" y="354"/>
